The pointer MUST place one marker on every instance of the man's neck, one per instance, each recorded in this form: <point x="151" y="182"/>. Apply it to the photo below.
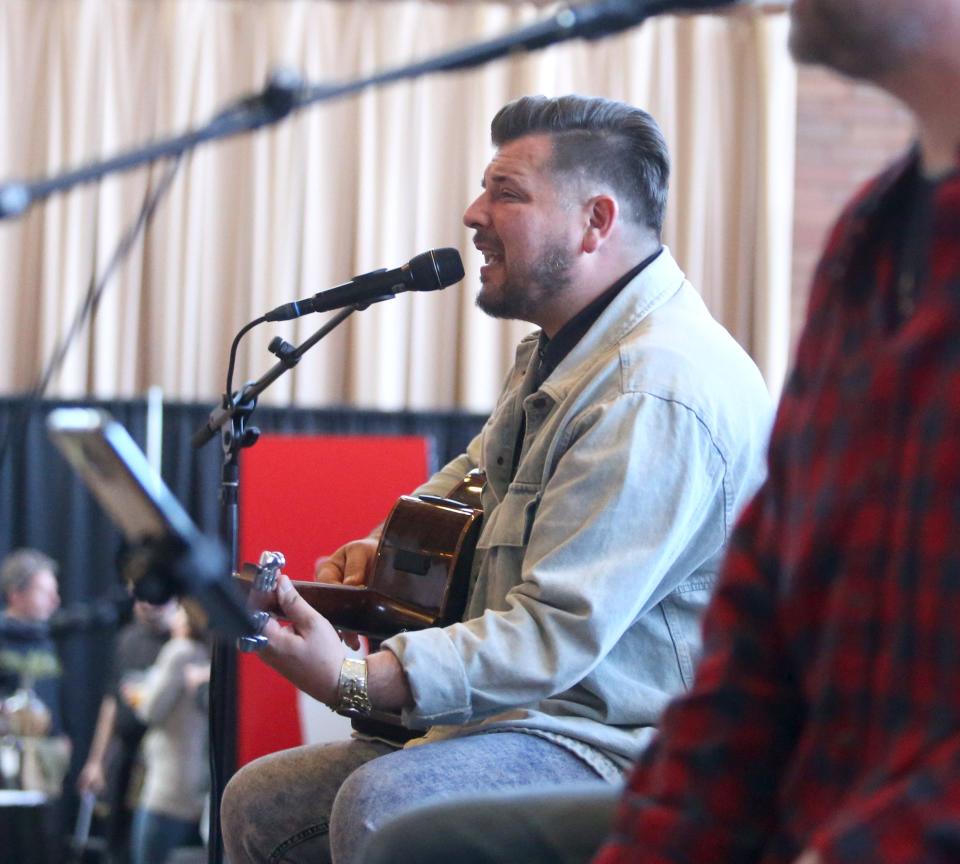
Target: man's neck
<point x="939" y="147"/>
<point x="925" y="91"/>
<point x="601" y="278"/>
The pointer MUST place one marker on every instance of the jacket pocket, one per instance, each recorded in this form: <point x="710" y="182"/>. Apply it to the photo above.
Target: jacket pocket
<point x="682" y="610"/>
<point x="511" y="521"/>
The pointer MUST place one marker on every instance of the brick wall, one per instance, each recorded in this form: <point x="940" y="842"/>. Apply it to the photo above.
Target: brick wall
<point x="846" y="132"/>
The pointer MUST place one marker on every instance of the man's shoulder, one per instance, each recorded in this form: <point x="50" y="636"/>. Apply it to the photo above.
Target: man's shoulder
<point x="682" y="356"/>
<point x="19" y="635"/>
<point x="680" y="344"/>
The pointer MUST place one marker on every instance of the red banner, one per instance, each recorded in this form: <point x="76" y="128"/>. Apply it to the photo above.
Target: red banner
<point x="305" y="496"/>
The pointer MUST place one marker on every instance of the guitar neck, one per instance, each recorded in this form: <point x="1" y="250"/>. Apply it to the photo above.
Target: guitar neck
<point x="347" y="607"/>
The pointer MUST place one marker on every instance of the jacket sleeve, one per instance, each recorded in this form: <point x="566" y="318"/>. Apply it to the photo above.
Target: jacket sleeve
<point x="638" y="480"/>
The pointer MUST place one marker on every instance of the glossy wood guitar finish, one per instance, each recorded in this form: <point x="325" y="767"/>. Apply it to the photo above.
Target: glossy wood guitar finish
<point x="421" y="573"/>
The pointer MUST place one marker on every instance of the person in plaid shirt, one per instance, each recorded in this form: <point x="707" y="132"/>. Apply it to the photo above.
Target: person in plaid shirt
<point x="824" y="723"/>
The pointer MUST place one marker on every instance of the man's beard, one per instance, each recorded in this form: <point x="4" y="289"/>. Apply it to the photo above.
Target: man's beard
<point x="522" y="294"/>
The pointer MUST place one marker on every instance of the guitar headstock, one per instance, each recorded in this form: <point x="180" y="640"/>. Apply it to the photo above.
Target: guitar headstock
<point x="269" y="568"/>
<point x="266" y="573"/>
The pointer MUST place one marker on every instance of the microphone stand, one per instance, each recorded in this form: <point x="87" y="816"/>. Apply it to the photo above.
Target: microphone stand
<point x="285" y="92"/>
<point x="289" y="357"/>
<point x="231" y="419"/>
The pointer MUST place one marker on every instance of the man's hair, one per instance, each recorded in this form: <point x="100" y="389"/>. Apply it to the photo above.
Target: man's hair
<point x="19" y="567"/>
<point x="601" y="140"/>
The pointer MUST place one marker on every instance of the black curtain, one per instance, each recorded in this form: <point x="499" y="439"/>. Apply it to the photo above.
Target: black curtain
<point x="44" y="505"/>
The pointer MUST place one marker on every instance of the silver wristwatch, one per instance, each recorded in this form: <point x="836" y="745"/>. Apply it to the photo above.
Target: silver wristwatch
<point x="352" y="697"/>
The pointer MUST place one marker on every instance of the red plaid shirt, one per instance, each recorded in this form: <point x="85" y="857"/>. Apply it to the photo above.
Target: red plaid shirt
<point x="826" y="710"/>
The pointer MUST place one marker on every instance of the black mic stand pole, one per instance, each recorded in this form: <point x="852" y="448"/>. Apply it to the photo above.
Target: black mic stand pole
<point x="231" y="418"/>
<point x="222" y="709"/>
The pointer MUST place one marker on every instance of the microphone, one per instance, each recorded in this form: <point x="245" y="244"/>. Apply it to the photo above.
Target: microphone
<point x="428" y="271"/>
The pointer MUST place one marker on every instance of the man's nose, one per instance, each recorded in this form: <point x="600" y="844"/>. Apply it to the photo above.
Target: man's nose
<point x="475" y="215"/>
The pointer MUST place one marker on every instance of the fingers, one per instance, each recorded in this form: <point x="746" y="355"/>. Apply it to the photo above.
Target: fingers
<point x="304" y="618"/>
<point x="359" y="562"/>
<point x="293" y="607"/>
<point x="287" y="603"/>
<point x="330" y="569"/>
<point x="351" y="640"/>
<point x="309" y="653"/>
<point x="351" y="564"/>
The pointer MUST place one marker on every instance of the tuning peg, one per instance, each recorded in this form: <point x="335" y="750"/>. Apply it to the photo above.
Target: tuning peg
<point x="251" y="644"/>
<point x="268" y="570"/>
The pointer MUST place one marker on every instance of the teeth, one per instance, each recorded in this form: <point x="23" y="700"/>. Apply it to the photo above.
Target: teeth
<point x="490" y="257"/>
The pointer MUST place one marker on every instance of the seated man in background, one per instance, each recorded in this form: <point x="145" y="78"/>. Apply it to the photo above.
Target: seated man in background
<point x="627" y="436"/>
<point x="36" y="755"/>
<point x="824" y="724"/>
<point x="28" y="656"/>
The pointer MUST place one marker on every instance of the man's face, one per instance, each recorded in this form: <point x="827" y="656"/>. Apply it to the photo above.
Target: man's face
<point x="38" y="600"/>
<point x="867" y="39"/>
<point x="527" y="230"/>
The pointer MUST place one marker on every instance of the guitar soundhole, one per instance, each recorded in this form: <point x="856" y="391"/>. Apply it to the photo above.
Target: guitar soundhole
<point x="411" y="562"/>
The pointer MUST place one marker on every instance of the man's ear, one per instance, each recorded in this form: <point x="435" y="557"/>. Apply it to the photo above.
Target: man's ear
<point x="602" y="213"/>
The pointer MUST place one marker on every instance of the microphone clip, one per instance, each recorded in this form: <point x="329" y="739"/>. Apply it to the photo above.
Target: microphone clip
<point x="284" y="352"/>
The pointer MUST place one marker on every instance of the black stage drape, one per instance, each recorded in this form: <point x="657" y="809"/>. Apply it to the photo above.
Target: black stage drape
<point x="43" y="504"/>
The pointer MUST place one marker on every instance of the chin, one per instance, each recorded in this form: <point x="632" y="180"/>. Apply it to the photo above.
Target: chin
<point x="494" y="301"/>
<point x="491" y="306"/>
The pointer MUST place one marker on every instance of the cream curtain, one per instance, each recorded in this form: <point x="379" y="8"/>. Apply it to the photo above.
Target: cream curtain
<point x="349" y="186"/>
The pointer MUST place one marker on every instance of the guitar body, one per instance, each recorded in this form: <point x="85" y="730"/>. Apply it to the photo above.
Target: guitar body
<point x="422" y="570"/>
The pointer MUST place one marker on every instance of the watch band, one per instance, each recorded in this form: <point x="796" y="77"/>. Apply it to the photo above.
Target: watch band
<point x="352" y="697"/>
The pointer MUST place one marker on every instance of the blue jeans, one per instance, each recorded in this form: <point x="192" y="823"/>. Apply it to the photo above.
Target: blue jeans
<point x="154" y="836"/>
<point x="320" y="803"/>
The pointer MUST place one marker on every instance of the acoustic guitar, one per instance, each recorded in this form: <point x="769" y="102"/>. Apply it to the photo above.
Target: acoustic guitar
<point x="421" y="572"/>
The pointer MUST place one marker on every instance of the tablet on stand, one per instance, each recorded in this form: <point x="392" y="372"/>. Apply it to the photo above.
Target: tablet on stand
<point x="167" y="555"/>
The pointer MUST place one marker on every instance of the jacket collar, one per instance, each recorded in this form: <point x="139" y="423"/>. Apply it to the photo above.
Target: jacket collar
<point x="647" y="291"/>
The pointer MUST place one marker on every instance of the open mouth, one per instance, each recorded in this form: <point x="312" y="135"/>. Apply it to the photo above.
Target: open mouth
<point x="490" y="260"/>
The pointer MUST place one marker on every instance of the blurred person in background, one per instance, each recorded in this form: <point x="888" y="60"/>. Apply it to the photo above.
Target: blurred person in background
<point x="28" y="656"/>
<point x="176" y="773"/>
<point x="114" y="769"/>
<point x="36" y="751"/>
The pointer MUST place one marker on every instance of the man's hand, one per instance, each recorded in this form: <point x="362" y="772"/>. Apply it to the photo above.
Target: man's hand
<point x="809" y="857"/>
<point x="309" y="652"/>
<point x="92" y="778"/>
<point x="351" y="564"/>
